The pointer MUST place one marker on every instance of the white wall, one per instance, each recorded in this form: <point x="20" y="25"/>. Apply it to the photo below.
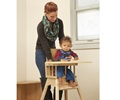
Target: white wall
<point x="30" y="13"/>
<point x="21" y="40"/>
<point x="88" y="75"/>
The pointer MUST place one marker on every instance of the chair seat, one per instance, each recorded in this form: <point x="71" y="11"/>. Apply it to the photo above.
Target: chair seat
<point x="64" y="81"/>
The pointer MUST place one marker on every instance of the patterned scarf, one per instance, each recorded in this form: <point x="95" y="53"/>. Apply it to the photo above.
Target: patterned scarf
<point x="49" y="33"/>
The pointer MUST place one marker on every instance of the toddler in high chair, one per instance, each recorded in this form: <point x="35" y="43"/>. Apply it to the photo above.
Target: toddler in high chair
<point x="65" y="54"/>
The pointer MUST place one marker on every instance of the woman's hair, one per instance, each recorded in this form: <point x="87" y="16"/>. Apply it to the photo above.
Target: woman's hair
<point x="66" y="39"/>
<point x="50" y="7"/>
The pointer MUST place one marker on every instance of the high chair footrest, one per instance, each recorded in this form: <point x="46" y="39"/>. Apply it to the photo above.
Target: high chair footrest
<point x="67" y="87"/>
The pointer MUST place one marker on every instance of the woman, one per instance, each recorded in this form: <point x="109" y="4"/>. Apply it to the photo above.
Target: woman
<point x="48" y="30"/>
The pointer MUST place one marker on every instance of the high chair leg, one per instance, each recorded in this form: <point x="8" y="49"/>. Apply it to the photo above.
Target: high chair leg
<point x="66" y="94"/>
<point x="44" y="92"/>
<point x="57" y="90"/>
<point x="78" y="89"/>
<point x="60" y="94"/>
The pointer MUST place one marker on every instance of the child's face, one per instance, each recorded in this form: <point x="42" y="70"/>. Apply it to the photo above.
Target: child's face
<point x="65" y="46"/>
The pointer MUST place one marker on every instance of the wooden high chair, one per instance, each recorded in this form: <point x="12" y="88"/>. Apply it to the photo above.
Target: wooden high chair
<point x="51" y="72"/>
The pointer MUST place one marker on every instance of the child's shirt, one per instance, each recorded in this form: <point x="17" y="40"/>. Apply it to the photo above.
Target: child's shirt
<point x="60" y="54"/>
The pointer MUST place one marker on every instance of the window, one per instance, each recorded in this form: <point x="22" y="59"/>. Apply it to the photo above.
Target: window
<point x="85" y="24"/>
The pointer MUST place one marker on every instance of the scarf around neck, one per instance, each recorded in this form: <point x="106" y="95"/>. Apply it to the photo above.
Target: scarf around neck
<point x="50" y="32"/>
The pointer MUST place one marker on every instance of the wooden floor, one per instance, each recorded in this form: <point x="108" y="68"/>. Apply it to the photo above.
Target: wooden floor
<point x="29" y="90"/>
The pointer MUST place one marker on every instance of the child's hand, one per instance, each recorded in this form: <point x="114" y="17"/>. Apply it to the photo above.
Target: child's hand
<point x="76" y="58"/>
<point x="63" y="60"/>
<point x="69" y="57"/>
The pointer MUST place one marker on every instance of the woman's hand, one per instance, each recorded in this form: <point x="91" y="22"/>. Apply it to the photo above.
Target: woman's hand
<point x="50" y="60"/>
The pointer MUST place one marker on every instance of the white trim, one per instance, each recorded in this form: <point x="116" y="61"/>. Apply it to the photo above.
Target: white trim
<point x="82" y="43"/>
<point x="85" y="46"/>
<point x="87" y="4"/>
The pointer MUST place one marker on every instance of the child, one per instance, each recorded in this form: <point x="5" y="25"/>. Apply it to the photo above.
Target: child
<point x="65" y="54"/>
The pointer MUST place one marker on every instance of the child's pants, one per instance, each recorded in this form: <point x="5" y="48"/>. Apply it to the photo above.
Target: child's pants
<point x="69" y="74"/>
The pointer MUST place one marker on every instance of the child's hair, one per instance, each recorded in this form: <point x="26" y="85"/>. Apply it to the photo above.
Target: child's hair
<point x="66" y="39"/>
<point x="50" y="7"/>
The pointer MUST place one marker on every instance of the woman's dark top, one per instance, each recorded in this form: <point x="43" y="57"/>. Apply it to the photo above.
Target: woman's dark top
<point x="43" y="43"/>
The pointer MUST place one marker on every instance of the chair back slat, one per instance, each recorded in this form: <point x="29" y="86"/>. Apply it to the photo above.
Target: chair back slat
<point x="53" y="51"/>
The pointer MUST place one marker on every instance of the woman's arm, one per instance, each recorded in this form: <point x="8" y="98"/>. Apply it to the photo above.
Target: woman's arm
<point x="43" y="40"/>
<point x="61" y="30"/>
